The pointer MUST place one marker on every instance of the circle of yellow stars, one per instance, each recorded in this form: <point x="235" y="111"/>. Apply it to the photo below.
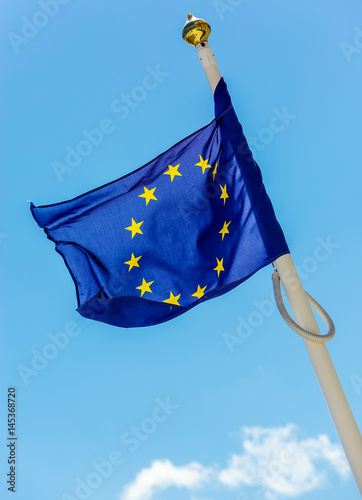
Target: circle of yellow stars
<point x="135" y="228"/>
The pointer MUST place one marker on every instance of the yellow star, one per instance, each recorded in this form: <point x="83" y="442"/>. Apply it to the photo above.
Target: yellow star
<point x="172" y="172"/>
<point x="199" y="292"/>
<point x="133" y="262"/>
<point x="173" y="299"/>
<point x="203" y="164"/>
<point x="148" y="195"/>
<point x="219" y="267"/>
<point x="215" y="171"/>
<point x="135" y="227"/>
<point x="224" y="230"/>
<point x="145" y="287"/>
<point x="224" y="194"/>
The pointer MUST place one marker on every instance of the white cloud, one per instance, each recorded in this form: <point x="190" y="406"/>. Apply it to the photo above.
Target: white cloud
<point x="274" y="460"/>
<point x="280" y="464"/>
<point x="162" y="474"/>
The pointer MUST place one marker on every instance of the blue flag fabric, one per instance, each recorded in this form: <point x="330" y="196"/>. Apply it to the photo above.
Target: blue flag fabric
<point x="188" y="226"/>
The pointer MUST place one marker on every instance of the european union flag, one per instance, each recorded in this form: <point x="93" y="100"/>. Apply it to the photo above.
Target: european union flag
<point x="188" y="226"/>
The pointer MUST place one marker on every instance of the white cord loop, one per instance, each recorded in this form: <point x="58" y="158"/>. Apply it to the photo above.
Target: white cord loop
<point x="316" y="337"/>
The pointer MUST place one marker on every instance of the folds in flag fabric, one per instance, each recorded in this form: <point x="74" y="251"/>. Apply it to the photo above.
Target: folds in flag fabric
<point x="188" y="226"/>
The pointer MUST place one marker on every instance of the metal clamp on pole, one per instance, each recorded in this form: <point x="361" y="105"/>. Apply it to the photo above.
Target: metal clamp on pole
<point x="315" y="337"/>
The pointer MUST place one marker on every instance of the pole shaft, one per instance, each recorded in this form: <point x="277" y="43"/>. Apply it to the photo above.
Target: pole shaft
<point x="324" y="369"/>
<point x="208" y="62"/>
<point x="330" y="385"/>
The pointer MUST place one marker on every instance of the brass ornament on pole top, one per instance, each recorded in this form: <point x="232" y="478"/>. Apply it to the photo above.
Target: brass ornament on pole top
<point x="195" y="30"/>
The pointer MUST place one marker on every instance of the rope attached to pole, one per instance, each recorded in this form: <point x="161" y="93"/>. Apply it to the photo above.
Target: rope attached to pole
<point x="315" y="337"/>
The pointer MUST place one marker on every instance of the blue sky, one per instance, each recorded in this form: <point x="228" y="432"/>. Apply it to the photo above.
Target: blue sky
<point x="172" y="411"/>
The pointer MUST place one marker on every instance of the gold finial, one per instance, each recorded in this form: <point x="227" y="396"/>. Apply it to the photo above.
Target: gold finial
<point x="195" y="30"/>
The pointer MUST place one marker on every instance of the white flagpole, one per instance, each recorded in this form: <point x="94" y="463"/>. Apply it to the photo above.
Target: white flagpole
<point x="196" y="32"/>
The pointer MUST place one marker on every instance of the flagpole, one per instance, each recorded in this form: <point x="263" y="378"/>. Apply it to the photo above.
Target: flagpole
<point x="196" y="32"/>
